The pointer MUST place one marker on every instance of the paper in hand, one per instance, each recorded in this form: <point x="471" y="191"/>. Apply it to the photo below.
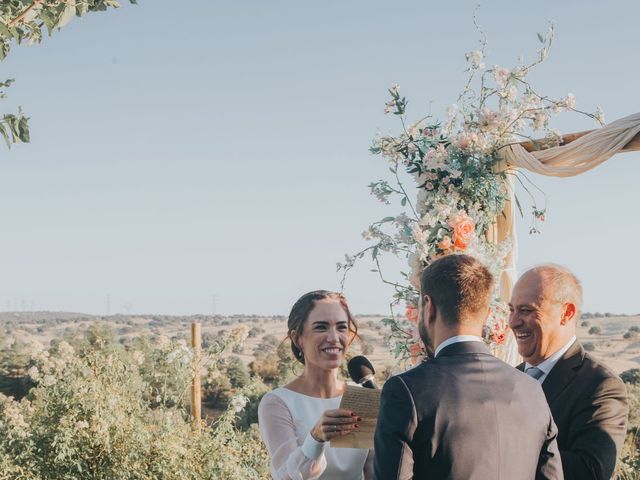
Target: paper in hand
<point x="364" y="402"/>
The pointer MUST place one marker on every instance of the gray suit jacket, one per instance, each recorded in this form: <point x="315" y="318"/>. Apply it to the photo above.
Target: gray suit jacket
<point x="465" y="415"/>
<point x="589" y="405"/>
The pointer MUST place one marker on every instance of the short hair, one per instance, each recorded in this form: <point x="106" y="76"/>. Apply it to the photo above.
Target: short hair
<point x="300" y="313"/>
<point x="562" y="282"/>
<point x="459" y="285"/>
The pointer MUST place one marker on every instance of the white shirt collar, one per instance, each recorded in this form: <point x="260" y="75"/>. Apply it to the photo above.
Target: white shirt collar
<point x="456" y="339"/>
<point x="550" y="362"/>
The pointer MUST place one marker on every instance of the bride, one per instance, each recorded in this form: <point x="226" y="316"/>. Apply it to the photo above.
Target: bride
<point x="298" y="421"/>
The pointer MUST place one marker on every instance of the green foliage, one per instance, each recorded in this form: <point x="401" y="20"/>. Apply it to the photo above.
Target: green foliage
<point x="102" y="411"/>
<point x="23" y="21"/>
<point x="628" y="467"/>
<point x="13" y="128"/>
<point x="595" y="331"/>
<point x="237" y="372"/>
<point x="631" y="377"/>
<point x="14" y="361"/>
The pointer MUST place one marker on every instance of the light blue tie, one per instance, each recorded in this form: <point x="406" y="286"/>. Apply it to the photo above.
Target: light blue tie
<point x="534" y="372"/>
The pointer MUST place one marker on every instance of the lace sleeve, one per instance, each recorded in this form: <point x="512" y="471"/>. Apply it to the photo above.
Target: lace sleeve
<point x="288" y="459"/>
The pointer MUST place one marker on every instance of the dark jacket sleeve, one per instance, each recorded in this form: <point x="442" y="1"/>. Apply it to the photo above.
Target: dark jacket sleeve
<point x="394" y="432"/>
<point x="549" y="462"/>
<point x="597" y="433"/>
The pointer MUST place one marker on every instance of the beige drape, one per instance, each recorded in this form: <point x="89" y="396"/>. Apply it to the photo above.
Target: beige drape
<point x="577" y="157"/>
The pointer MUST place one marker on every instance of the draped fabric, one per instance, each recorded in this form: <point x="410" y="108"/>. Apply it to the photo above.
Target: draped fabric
<point x="579" y="156"/>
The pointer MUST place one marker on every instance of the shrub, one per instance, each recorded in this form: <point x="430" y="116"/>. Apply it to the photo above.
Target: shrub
<point x="91" y="415"/>
<point x="595" y="331"/>
<point x="589" y="346"/>
<point x="631" y="377"/>
<point x="585" y="323"/>
<point x="237" y="372"/>
<point x="628" y="468"/>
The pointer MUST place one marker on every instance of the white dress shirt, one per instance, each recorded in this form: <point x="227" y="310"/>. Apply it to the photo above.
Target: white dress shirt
<point x="550" y="362"/>
<point x="456" y="339"/>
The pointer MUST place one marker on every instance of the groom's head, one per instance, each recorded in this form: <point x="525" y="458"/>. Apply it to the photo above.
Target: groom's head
<point x="455" y="296"/>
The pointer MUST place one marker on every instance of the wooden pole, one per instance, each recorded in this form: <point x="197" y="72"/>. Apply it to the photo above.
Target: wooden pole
<point x="532" y="146"/>
<point x="196" y="392"/>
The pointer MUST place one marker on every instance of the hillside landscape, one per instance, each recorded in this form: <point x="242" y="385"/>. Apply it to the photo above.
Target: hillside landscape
<point x="613" y="338"/>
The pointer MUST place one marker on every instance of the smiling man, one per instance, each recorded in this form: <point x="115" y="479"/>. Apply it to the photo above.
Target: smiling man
<point x="588" y="400"/>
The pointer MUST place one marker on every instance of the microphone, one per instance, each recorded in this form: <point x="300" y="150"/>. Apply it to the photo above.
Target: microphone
<point x="362" y="372"/>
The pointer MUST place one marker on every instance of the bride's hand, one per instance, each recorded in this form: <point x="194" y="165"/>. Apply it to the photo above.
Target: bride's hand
<point x="334" y="423"/>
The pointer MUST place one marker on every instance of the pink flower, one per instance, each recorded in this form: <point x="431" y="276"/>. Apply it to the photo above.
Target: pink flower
<point x="463" y="232"/>
<point x="501" y="75"/>
<point x="415" y="350"/>
<point x="445" y="243"/>
<point x="412" y="313"/>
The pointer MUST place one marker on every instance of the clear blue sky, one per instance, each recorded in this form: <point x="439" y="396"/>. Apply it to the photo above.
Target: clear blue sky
<point x="185" y="149"/>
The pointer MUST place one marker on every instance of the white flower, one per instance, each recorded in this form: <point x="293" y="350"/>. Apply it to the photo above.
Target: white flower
<point x="475" y="57"/>
<point x="570" y="101"/>
<point x="389" y="106"/>
<point x="138" y="357"/>
<point x="238" y="403"/>
<point x="65" y="350"/>
<point x="49" y="380"/>
<point x="419" y="235"/>
<point x="540" y="119"/>
<point x="452" y="110"/>
<point x="501" y="75"/>
<point x="395" y="88"/>
<point x="81" y="424"/>
<point x="34" y="373"/>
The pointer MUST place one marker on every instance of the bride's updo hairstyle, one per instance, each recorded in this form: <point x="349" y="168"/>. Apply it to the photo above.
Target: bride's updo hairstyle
<point x="300" y="313"/>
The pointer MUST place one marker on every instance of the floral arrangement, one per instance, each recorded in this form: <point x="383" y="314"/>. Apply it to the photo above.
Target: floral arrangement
<point x="462" y="185"/>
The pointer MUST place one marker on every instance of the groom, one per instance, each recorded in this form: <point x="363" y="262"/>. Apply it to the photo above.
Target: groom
<point x="463" y="414"/>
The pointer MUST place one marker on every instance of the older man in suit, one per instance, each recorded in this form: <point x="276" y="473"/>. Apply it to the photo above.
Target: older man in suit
<point x="463" y="414"/>
<point x="588" y="400"/>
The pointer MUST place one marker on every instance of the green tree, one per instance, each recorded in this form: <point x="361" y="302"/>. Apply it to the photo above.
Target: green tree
<point x="631" y="377"/>
<point x="24" y="21"/>
<point x="237" y="372"/>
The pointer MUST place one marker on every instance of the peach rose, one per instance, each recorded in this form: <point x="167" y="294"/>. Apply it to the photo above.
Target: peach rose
<point x="499" y="337"/>
<point x="445" y="243"/>
<point x="415" y="350"/>
<point x="412" y="314"/>
<point x="463" y="232"/>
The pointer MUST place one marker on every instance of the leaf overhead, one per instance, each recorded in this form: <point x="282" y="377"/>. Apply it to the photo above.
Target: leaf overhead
<point x="23" y="21"/>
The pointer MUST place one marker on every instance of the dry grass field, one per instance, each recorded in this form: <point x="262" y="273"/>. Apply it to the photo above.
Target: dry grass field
<point x="607" y="342"/>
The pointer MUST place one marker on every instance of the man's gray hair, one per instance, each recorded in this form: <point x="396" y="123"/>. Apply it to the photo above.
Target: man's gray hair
<point x="564" y="284"/>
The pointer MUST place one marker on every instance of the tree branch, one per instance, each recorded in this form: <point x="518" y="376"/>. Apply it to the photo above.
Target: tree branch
<point x="24" y="13"/>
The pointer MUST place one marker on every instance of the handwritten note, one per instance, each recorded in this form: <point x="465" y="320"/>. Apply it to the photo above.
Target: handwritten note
<point x="365" y="402"/>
